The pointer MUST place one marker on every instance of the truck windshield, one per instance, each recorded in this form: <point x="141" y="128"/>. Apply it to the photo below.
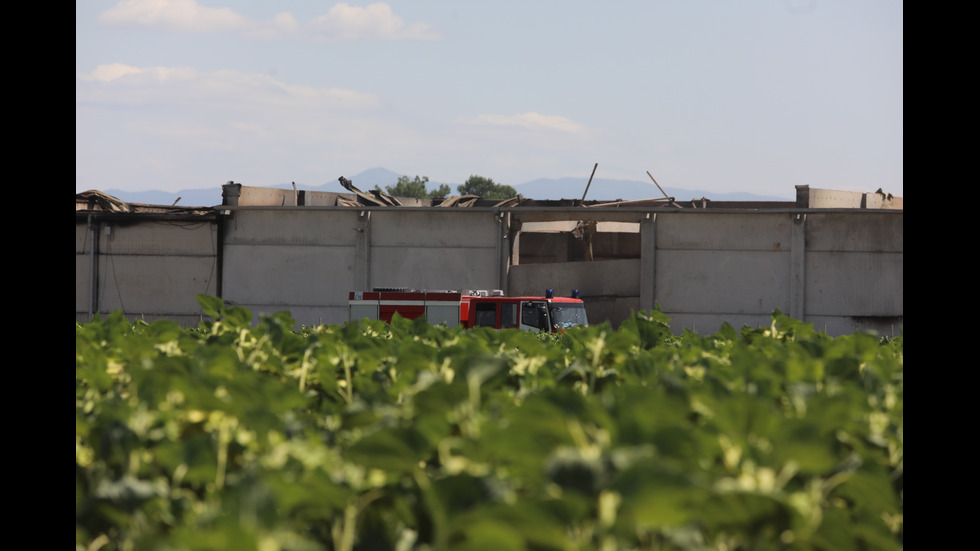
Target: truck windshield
<point x="568" y="315"/>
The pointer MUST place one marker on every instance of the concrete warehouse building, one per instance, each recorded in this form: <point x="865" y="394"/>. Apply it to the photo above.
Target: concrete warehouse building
<point x="831" y="258"/>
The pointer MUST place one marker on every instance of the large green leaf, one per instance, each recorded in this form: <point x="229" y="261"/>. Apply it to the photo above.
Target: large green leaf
<point x="398" y="450"/>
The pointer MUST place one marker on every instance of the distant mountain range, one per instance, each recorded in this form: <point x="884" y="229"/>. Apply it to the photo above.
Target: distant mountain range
<point x="542" y="189"/>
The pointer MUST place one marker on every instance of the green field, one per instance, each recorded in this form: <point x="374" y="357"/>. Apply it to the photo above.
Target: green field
<point x="245" y="436"/>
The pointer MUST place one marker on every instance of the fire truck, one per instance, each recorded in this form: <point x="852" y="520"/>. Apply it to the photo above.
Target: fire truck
<point x="471" y="308"/>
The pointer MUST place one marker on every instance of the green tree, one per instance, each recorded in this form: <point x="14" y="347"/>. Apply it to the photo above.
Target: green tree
<point x="486" y="188"/>
<point x="415" y="188"/>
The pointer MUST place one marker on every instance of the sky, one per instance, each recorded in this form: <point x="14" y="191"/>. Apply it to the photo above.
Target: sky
<point x="754" y="96"/>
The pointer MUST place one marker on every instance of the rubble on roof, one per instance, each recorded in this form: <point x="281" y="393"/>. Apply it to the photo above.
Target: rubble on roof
<point x="98" y="201"/>
<point x="376" y="198"/>
<point x="459" y="201"/>
<point x="658" y="202"/>
<point x="234" y="194"/>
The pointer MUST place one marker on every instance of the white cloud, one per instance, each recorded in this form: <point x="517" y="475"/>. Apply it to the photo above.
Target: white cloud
<point x="281" y="25"/>
<point x="343" y="22"/>
<point x="173" y="15"/>
<point x="285" y="22"/>
<point x="221" y="90"/>
<point x="107" y="73"/>
<point x="376" y="21"/>
<point x="531" y="121"/>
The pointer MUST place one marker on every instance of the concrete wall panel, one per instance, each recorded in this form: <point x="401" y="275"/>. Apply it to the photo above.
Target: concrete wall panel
<point x="739" y="232"/>
<point x="424" y="267"/>
<point x="284" y="277"/>
<point x="724" y="282"/>
<point x="855" y="231"/>
<point x="854" y="284"/>
<point x="151" y="269"/>
<point x="268" y="196"/>
<point x="83" y="238"/>
<point x="153" y="237"/>
<point x="830" y="198"/>
<point x="288" y="227"/>
<point x="429" y="228"/>
<point x="83" y="282"/>
<point x="173" y="283"/>
<point x="434" y="249"/>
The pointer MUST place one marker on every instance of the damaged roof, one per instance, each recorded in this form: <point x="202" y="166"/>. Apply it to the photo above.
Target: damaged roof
<point x="234" y="194"/>
<point x="92" y="201"/>
<point x="380" y="199"/>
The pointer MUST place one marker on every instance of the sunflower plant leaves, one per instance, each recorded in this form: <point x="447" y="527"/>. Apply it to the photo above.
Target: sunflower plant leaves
<point x="250" y="433"/>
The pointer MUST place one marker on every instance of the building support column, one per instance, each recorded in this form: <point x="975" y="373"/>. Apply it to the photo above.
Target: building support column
<point x="503" y="250"/>
<point x="362" y="252"/>
<point x="797" y="268"/>
<point x="93" y="292"/>
<point x="648" y="265"/>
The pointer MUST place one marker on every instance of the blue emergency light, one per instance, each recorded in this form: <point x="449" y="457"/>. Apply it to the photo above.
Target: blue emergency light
<point x="549" y="294"/>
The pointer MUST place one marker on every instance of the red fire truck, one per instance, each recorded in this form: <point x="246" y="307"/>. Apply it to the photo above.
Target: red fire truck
<point x="470" y="308"/>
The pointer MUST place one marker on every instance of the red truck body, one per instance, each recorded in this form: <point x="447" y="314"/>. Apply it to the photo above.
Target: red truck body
<point x="470" y="308"/>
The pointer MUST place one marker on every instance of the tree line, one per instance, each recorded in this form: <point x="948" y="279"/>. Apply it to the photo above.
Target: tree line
<point x="475" y="185"/>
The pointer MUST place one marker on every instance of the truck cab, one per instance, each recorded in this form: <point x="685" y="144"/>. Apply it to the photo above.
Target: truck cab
<point x="471" y="308"/>
<point x="526" y="313"/>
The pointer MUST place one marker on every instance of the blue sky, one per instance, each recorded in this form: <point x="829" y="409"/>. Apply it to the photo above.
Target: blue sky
<point x="753" y="96"/>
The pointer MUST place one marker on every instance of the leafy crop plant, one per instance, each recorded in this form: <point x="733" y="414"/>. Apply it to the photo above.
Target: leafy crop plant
<point x="234" y="435"/>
